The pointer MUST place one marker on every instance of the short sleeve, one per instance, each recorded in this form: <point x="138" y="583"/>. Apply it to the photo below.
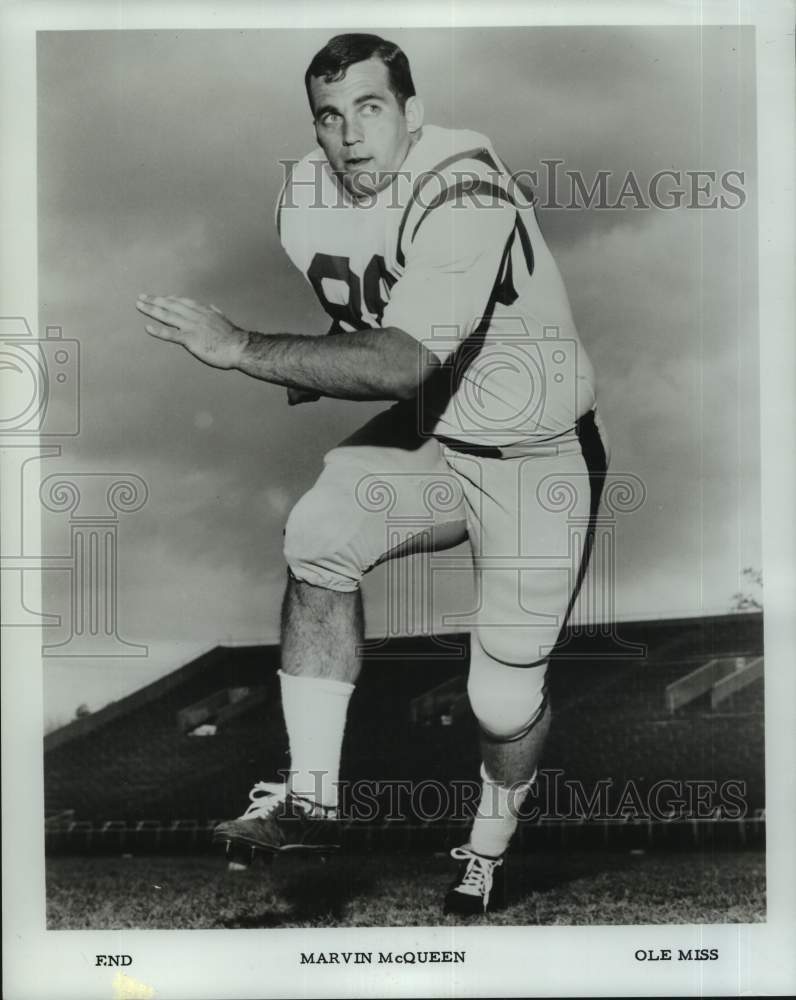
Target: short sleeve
<point x="452" y="268"/>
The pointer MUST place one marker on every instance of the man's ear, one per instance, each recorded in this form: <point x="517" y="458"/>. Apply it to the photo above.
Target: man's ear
<point x="414" y="111"/>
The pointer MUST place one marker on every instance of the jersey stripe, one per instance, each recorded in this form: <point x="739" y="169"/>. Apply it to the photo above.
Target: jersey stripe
<point x="525" y="242"/>
<point x="470" y="348"/>
<point x="481" y="154"/>
<point x="456" y="191"/>
<point x="596" y="459"/>
<point x="279" y="203"/>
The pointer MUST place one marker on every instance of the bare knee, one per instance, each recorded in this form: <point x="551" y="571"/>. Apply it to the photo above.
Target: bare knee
<point x="321" y="632"/>
<point x="307" y="600"/>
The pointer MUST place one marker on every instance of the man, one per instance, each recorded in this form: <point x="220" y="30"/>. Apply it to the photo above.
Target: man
<point x="446" y="300"/>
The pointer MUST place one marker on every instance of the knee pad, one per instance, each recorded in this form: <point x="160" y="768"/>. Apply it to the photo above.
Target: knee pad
<point x="315" y="548"/>
<point x="506" y="700"/>
<point x="517" y="646"/>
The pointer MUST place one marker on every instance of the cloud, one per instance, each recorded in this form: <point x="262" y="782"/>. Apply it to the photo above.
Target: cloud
<point x="278" y="500"/>
<point x="675" y="346"/>
<point x="158" y="159"/>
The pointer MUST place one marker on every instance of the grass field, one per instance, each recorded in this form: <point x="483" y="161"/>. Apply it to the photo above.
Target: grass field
<point x="381" y="890"/>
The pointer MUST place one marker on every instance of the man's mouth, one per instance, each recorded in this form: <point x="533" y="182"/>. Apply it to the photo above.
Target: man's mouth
<point x="357" y="161"/>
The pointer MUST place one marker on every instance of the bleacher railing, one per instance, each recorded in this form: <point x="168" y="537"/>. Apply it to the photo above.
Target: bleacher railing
<point x="183" y="836"/>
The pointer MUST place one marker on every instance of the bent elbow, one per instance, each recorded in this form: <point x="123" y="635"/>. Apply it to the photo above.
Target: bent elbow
<point x="406" y="389"/>
<point x="410" y="384"/>
<point x="410" y="364"/>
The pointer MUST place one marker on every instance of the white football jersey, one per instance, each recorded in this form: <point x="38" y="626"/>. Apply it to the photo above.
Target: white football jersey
<point x="451" y="253"/>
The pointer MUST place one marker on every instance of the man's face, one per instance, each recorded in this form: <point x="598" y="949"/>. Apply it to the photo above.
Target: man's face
<point x="361" y="127"/>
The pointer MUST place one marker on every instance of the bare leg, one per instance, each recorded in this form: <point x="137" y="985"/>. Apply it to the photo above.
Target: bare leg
<point x="508" y="769"/>
<point x="514" y="715"/>
<point x="513" y="762"/>
<point x="321" y="631"/>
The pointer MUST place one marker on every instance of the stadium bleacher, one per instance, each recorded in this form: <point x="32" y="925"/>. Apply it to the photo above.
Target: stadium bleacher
<point x="132" y="773"/>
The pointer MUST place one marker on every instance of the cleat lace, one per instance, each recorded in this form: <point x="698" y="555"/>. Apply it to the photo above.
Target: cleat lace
<point x="479" y="874"/>
<point x="266" y="796"/>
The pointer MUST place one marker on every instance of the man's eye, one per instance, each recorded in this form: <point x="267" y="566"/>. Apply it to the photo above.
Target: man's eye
<point x="371" y="109"/>
<point x="330" y="119"/>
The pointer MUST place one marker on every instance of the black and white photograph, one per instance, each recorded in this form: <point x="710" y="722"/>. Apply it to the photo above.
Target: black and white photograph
<point x="397" y="557"/>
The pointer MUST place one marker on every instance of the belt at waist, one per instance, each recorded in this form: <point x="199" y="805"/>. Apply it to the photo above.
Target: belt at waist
<point x="519" y="449"/>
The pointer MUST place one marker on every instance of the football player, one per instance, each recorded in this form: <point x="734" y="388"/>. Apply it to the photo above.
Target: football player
<point x="444" y="298"/>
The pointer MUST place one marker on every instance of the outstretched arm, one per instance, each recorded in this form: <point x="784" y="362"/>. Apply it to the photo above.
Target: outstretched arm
<point x="368" y="364"/>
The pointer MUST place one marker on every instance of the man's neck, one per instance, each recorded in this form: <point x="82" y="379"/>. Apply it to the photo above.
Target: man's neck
<point x="368" y="196"/>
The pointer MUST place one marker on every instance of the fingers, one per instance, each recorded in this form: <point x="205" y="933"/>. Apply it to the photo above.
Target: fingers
<point x="176" y="302"/>
<point x="170" y="309"/>
<point x="184" y="321"/>
<point x="161" y="333"/>
<point x="161" y="313"/>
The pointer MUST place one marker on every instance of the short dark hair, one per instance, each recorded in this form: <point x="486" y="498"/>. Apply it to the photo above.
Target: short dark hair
<point x="343" y="51"/>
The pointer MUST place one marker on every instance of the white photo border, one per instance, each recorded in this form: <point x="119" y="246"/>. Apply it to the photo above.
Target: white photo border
<point x="517" y="961"/>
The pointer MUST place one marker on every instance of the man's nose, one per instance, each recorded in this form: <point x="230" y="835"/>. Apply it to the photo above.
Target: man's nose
<point x="351" y="133"/>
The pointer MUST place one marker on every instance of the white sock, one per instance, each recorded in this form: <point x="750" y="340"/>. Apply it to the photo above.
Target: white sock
<point x="496" y="819"/>
<point x="315" y="713"/>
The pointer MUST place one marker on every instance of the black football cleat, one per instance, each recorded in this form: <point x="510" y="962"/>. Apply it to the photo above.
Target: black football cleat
<point x="276" y="822"/>
<point x="479" y="887"/>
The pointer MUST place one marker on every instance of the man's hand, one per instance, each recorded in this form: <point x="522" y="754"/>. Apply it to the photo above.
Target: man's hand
<point x="383" y="363"/>
<point x="202" y="330"/>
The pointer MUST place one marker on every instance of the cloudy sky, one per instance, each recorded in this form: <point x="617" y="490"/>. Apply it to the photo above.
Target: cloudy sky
<point x="158" y="169"/>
